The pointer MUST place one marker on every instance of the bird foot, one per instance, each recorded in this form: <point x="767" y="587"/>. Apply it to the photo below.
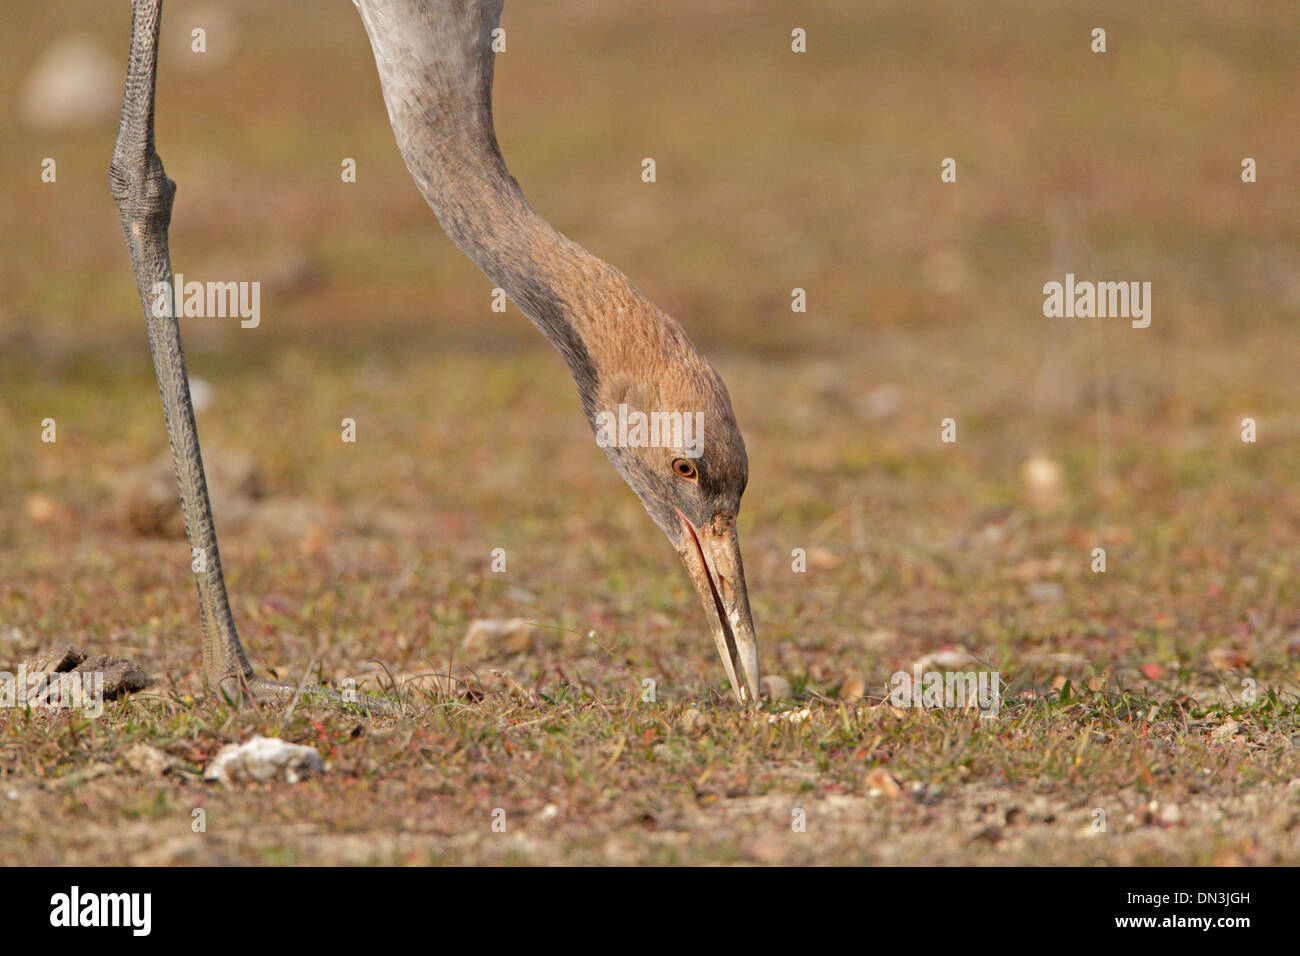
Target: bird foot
<point x="70" y="677"/>
<point x="263" y="690"/>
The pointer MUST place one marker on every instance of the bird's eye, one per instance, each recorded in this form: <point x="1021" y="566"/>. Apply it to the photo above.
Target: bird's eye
<point x="685" y="469"/>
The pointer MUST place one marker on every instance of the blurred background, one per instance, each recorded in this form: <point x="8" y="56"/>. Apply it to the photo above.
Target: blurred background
<point x="775" y="171"/>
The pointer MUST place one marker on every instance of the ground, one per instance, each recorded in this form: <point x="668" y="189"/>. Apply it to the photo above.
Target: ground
<point x="1150" y="713"/>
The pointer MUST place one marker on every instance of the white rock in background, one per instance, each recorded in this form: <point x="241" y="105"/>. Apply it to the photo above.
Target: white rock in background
<point x="262" y="759"/>
<point x="73" y="83"/>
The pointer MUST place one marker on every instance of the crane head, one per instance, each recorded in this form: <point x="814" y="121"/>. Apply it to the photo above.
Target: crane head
<point x="671" y="434"/>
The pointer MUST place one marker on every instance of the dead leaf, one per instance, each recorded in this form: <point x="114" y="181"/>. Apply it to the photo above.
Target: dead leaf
<point x="880" y="782"/>
<point x="1228" y="658"/>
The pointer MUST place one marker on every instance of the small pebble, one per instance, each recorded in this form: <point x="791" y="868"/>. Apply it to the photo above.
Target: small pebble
<point x="147" y="761"/>
<point x="1227" y="730"/>
<point x="489" y="638"/>
<point x="852" y="689"/>
<point x="774" y="688"/>
<point x="692" y="720"/>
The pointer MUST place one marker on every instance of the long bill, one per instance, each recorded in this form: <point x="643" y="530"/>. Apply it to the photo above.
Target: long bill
<point x="712" y="560"/>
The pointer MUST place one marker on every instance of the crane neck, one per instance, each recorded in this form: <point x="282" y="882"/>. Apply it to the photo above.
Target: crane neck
<point x="435" y="64"/>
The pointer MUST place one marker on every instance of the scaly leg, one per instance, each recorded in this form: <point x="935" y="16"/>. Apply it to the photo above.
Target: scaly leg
<point x="143" y="194"/>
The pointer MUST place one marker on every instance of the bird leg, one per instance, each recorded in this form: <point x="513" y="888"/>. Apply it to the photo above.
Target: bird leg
<point x="143" y="194"/>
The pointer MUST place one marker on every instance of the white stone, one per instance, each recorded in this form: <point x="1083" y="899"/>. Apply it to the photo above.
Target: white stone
<point x="262" y="759"/>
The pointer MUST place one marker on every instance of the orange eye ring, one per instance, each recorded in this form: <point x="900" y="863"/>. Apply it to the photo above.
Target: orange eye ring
<point x="685" y="468"/>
